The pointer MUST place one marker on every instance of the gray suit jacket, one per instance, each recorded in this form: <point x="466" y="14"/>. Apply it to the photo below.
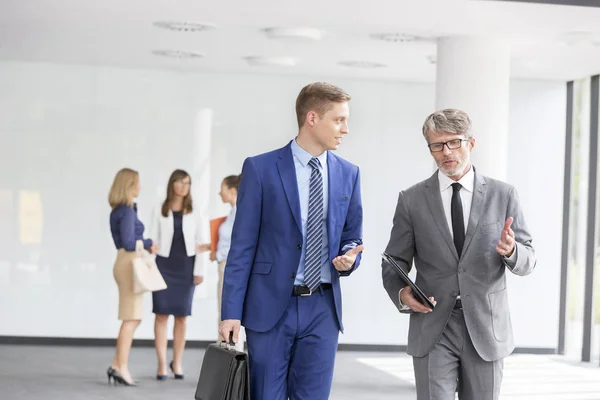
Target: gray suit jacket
<point x="421" y="234"/>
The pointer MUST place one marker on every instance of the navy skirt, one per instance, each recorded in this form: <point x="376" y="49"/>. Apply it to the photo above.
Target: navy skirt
<point x="178" y="272"/>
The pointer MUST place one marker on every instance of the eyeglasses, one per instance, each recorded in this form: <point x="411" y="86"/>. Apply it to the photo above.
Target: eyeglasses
<point x="182" y="182"/>
<point x="451" y="144"/>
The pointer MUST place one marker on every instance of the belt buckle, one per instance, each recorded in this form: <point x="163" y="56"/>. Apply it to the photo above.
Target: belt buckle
<point x="306" y="294"/>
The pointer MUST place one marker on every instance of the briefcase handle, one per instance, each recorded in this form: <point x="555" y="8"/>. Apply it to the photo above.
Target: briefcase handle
<point x="230" y="345"/>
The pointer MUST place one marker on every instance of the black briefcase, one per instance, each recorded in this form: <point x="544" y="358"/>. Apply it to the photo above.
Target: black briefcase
<point x="225" y="374"/>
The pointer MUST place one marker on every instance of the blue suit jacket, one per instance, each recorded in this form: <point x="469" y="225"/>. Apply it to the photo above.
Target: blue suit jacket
<point x="267" y="236"/>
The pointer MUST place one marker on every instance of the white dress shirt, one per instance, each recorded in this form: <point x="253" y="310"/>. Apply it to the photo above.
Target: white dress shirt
<point x="466" y="196"/>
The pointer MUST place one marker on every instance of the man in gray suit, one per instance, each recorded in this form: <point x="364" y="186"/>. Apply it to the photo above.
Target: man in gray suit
<point x="461" y="343"/>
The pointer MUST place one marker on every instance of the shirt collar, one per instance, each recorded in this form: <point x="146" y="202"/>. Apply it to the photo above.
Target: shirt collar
<point x="467" y="181"/>
<point x="304" y="157"/>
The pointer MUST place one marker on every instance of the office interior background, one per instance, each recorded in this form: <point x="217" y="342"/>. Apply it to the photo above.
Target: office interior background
<point x="87" y="88"/>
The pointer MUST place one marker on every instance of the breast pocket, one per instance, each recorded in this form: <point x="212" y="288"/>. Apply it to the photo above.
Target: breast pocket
<point x="262" y="268"/>
<point x="492" y="227"/>
<point x="488" y="236"/>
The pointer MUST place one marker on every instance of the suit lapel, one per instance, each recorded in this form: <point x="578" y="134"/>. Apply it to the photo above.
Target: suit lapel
<point x="434" y="199"/>
<point x="287" y="172"/>
<point x="479" y="192"/>
<point x="334" y="171"/>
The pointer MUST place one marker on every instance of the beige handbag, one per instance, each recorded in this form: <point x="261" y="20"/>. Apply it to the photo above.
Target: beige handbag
<point x="146" y="276"/>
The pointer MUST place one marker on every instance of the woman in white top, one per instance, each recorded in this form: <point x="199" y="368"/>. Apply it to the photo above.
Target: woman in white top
<point x="228" y="193"/>
<point x="178" y="231"/>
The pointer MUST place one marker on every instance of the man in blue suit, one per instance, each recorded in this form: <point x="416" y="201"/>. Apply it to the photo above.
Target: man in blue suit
<point x="298" y="229"/>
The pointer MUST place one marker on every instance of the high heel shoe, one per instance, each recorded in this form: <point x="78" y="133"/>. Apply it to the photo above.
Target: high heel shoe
<point x="118" y="378"/>
<point x="177" y="376"/>
<point x="109" y="373"/>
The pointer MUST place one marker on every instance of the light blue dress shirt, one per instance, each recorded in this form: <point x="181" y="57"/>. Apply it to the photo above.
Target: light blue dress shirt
<point x="303" y="171"/>
<point x="225" y="231"/>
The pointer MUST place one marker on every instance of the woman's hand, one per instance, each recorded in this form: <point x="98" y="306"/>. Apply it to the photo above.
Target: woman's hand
<point x="213" y="256"/>
<point x="198" y="279"/>
<point x="154" y="248"/>
<point x="201" y="248"/>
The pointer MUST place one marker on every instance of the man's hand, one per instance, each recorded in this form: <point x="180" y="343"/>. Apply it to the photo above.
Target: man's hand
<point x="506" y="244"/>
<point x="227" y="326"/>
<point x="198" y="279"/>
<point x="213" y="256"/>
<point x="346" y="261"/>
<point x="407" y="298"/>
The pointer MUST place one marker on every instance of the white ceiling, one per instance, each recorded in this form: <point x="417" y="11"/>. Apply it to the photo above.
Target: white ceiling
<point x="548" y="41"/>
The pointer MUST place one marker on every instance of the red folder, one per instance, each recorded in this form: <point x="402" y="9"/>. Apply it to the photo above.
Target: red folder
<point x="215" y="224"/>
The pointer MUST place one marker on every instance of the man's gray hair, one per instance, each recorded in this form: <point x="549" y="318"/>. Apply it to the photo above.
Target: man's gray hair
<point x="450" y="121"/>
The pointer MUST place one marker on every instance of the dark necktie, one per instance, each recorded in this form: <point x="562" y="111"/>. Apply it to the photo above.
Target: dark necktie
<point x="314" y="228"/>
<point x="458" y="222"/>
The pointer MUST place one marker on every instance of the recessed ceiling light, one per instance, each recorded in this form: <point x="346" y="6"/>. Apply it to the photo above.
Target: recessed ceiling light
<point x="395" y="37"/>
<point x="178" y="54"/>
<point x="184" y="26"/>
<point x="575" y="38"/>
<point x="362" y="64"/>
<point x="299" y="33"/>
<point x="271" y="61"/>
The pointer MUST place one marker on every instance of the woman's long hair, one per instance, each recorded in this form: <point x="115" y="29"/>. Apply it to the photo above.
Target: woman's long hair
<point x="177" y="175"/>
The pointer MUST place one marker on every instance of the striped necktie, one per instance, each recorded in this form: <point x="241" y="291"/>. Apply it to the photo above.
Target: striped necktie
<point x="314" y="228"/>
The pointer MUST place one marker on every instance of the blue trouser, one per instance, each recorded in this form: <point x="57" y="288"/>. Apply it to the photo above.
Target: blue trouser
<point x="295" y="359"/>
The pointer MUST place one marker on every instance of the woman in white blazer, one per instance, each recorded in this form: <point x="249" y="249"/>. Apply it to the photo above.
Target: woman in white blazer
<point x="179" y="233"/>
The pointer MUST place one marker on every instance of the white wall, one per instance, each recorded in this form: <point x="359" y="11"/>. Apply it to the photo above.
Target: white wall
<point x="66" y="130"/>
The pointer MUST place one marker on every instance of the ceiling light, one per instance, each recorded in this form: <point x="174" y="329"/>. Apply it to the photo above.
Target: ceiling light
<point x="184" y="26"/>
<point x="400" y="38"/>
<point x="270" y="61"/>
<point x="178" y="54"/>
<point x="576" y="38"/>
<point x="362" y="64"/>
<point x="299" y="33"/>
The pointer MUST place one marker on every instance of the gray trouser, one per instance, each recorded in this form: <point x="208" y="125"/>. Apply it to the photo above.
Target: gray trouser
<point x="454" y="364"/>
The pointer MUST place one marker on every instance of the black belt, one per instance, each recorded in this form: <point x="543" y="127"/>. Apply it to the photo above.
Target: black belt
<point x="303" y="290"/>
<point x="458" y="304"/>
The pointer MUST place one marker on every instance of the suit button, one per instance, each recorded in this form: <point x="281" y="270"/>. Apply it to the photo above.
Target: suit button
<point x="453" y="294"/>
<point x="299" y="247"/>
<point x="461" y="270"/>
<point x="293" y="275"/>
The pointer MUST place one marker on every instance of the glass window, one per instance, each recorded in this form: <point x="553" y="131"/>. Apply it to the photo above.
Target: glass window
<point x="578" y="219"/>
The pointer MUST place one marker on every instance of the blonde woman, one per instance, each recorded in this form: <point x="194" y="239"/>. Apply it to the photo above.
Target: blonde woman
<point x="178" y="231"/>
<point x="126" y="231"/>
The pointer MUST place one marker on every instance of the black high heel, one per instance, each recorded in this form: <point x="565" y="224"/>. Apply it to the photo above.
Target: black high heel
<point x="177" y="376"/>
<point x="109" y="373"/>
<point x="118" y="378"/>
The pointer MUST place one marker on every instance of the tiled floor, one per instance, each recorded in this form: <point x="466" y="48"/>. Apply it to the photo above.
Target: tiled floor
<point x="69" y="373"/>
<point x="526" y="377"/>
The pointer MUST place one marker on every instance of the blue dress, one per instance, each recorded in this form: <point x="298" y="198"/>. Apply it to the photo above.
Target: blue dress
<point x="178" y="272"/>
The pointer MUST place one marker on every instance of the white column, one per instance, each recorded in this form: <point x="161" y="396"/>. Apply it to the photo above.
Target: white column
<point x="201" y="191"/>
<point x="473" y="75"/>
